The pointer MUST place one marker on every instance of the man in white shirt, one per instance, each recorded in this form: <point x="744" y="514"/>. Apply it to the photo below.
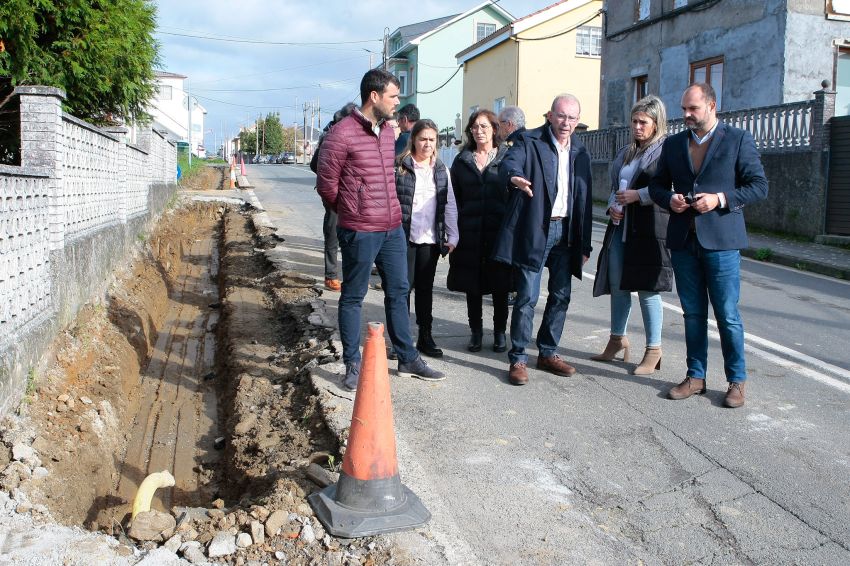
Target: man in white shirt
<point x="548" y="222"/>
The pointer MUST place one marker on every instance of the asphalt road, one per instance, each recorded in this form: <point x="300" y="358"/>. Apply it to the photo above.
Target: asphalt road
<point x="601" y="468"/>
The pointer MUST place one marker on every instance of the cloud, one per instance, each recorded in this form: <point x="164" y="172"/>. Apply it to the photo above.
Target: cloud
<point x="236" y="82"/>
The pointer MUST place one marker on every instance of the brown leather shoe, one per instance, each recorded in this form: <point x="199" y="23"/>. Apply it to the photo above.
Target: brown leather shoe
<point x="554" y="364"/>
<point x="690" y="386"/>
<point x="518" y="374"/>
<point x="735" y="395"/>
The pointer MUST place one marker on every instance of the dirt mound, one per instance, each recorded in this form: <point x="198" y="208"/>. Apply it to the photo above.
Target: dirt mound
<point x="208" y="177"/>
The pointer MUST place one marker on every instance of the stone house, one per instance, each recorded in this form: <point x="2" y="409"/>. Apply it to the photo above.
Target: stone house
<point x="755" y="53"/>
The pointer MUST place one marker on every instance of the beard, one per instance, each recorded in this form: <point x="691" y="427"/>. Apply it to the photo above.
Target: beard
<point x="694" y="124"/>
<point x="381" y="113"/>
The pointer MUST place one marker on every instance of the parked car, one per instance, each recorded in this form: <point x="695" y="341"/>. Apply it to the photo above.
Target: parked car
<point x="288" y="157"/>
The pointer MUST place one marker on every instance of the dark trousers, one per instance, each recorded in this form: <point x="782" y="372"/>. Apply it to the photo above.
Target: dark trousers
<point x="474" y="309"/>
<point x="387" y="250"/>
<point x="331" y="244"/>
<point x="421" y="268"/>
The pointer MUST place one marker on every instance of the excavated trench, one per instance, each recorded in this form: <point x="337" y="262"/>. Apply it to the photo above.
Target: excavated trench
<point x="198" y="364"/>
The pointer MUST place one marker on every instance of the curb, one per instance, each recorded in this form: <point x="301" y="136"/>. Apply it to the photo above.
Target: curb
<point x="800" y="264"/>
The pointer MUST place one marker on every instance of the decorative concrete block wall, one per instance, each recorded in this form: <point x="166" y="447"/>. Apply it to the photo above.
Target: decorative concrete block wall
<point x="70" y="215"/>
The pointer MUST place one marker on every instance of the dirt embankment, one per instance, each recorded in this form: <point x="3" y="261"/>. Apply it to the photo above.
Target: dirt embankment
<point x="197" y="364"/>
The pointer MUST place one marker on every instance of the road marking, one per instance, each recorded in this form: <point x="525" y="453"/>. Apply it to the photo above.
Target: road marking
<point x="797" y="358"/>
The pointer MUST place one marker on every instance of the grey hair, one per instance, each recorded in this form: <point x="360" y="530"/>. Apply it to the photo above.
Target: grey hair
<point x="567" y="97"/>
<point x="514" y="115"/>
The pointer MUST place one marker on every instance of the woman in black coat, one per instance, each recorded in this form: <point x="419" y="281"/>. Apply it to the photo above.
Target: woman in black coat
<point x="481" y="198"/>
<point x="634" y="254"/>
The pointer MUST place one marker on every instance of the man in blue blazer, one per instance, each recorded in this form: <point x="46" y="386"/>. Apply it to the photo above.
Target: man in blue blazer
<point x="547" y="223"/>
<point x="714" y="170"/>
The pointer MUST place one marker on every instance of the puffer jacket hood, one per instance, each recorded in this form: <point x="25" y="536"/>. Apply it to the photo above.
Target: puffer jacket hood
<point x="356" y="177"/>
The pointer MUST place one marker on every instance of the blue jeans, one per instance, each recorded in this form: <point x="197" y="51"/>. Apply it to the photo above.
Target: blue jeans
<point x="621" y="301"/>
<point x="703" y="275"/>
<point x="387" y="250"/>
<point x="557" y="257"/>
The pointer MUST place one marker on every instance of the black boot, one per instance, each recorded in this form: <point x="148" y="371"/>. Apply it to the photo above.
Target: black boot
<point x="500" y="343"/>
<point x="425" y="343"/>
<point x="475" y="341"/>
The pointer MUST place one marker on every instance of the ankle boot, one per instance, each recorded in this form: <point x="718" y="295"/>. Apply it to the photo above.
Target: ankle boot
<point x="475" y="341"/>
<point x="500" y="342"/>
<point x="425" y="343"/>
<point x="615" y="344"/>
<point x="651" y="361"/>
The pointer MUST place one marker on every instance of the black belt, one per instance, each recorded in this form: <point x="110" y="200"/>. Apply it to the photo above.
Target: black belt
<point x="556" y="218"/>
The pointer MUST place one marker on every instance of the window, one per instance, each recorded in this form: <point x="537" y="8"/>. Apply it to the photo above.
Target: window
<point x="589" y="41"/>
<point x="679" y="3"/>
<point x="498" y="104"/>
<point x="473" y="109"/>
<point x="164" y="92"/>
<point x="710" y="71"/>
<point x="395" y="44"/>
<point x="641" y="9"/>
<point x="641" y="87"/>
<point x="483" y="30"/>
<point x="402" y="80"/>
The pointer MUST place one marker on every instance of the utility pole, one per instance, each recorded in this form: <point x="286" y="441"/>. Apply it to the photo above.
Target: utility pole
<point x="189" y="106"/>
<point x="257" y="137"/>
<point x="264" y="137"/>
<point x="295" y="132"/>
<point x="304" y="149"/>
<point x="319" y="111"/>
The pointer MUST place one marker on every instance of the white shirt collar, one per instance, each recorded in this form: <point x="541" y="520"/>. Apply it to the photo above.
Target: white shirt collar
<point x="557" y="143"/>
<point x="706" y="137"/>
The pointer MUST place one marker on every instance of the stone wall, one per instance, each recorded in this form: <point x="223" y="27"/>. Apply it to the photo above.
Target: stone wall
<point x="70" y="214"/>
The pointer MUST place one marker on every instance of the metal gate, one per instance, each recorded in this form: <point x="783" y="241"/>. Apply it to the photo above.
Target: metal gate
<point x="838" y="194"/>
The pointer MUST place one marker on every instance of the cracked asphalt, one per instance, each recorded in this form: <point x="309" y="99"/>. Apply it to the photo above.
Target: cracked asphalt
<point x="601" y="468"/>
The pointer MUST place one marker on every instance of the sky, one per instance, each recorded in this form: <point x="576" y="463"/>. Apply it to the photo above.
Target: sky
<point x="334" y="39"/>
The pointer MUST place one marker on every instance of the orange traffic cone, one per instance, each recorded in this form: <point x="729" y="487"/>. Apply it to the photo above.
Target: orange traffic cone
<point x="369" y="498"/>
<point x="233" y="176"/>
<point x="241" y="165"/>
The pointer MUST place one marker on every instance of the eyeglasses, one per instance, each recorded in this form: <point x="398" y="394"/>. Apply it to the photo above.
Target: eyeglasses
<point x="566" y="117"/>
<point x="480" y="127"/>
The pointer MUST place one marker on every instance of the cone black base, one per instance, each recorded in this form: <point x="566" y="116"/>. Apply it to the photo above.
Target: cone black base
<point x="345" y="522"/>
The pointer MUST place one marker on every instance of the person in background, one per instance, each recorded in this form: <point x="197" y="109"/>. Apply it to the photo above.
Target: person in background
<point x="429" y="218"/>
<point x="548" y="223"/>
<point x="408" y="115"/>
<point x="634" y="255"/>
<point x="332" y="281"/>
<point x="481" y="197"/>
<point x="356" y="179"/>
<point x="715" y="170"/>
<point x="511" y="124"/>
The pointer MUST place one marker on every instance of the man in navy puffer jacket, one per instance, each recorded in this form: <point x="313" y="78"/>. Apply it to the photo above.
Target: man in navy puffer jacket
<point x="356" y="178"/>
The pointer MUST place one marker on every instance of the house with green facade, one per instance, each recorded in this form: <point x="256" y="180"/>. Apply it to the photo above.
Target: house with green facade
<point x="422" y="56"/>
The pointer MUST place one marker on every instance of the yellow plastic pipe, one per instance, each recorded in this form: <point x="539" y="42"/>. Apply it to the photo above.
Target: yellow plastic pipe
<point x="142" y="501"/>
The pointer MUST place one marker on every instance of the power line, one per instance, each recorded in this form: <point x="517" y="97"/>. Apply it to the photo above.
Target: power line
<point x="266" y="42"/>
<point x="442" y="85"/>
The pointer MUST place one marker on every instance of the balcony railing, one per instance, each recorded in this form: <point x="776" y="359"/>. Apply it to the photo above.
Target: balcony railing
<point x="786" y="127"/>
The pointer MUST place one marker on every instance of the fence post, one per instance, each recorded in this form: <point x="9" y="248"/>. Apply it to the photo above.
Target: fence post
<point x="822" y="113"/>
<point x="43" y="147"/>
<point x="121" y="132"/>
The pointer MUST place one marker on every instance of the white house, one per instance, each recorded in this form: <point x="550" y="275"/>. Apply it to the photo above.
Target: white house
<point x="169" y="109"/>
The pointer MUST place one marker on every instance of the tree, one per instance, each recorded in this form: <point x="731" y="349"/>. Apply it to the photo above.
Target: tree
<point x="101" y="52"/>
<point x="273" y="137"/>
